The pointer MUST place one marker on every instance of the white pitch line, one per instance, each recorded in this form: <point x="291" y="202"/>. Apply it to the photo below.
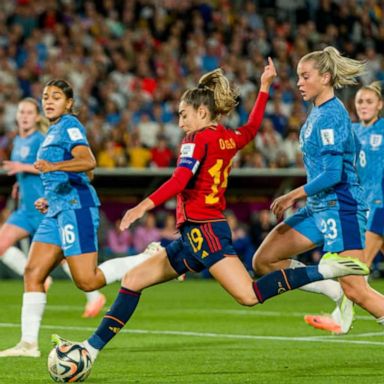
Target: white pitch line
<point x="234" y="312"/>
<point x="315" y="339"/>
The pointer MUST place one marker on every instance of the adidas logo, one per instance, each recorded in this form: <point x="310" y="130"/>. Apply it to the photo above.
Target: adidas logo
<point x="114" y="329"/>
<point x="205" y="254"/>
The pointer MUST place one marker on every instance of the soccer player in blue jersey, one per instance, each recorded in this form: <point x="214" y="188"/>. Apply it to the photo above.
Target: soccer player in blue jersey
<point x="370" y="168"/>
<point x="24" y="221"/>
<point x="69" y="227"/>
<point x="199" y="182"/>
<point x="335" y="214"/>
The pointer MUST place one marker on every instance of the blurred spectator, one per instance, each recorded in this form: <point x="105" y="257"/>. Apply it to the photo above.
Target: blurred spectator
<point x="291" y="146"/>
<point x="138" y="155"/>
<point x="162" y="155"/>
<point x="111" y="155"/>
<point x="146" y="232"/>
<point x="262" y="223"/>
<point x="241" y="240"/>
<point x="130" y="61"/>
<point x="119" y="242"/>
<point x="169" y="232"/>
<point x="268" y="141"/>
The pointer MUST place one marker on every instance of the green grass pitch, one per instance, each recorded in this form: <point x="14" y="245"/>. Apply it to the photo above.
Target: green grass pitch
<point x="193" y="332"/>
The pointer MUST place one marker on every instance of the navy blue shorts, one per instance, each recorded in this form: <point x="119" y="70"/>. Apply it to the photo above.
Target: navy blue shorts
<point x="201" y="245"/>
<point x="376" y="220"/>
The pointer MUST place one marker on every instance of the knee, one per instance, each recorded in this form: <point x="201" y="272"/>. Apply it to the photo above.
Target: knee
<point x="132" y="280"/>
<point x="355" y="294"/>
<point x="31" y="273"/>
<point x="247" y="300"/>
<point x="261" y="265"/>
<point x="85" y="285"/>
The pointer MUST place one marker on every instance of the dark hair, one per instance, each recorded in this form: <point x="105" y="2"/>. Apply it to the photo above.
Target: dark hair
<point x="65" y="86"/>
<point x="213" y="91"/>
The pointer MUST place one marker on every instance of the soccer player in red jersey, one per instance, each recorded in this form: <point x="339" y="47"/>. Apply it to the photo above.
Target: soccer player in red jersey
<point x="199" y="182"/>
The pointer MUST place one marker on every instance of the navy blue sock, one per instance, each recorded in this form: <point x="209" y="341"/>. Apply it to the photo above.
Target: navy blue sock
<point x="115" y="319"/>
<point x="284" y="280"/>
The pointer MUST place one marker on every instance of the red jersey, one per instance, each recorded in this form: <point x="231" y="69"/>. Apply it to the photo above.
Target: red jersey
<point x="201" y="176"/>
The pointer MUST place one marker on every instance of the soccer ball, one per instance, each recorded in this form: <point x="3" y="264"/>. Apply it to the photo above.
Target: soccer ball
<point x="69" y="363"/>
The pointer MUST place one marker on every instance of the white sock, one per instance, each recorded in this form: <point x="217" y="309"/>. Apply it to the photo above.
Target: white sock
<point x="92" y="296"/>
<point x="15" y="259"/>
<point x="66" y="269"/>
<point x="31" y="315"/>
<point x="330" y="288"/>
<point x="380" y="320"/>
<point x="115" y="269"/>
<point x="92" y="351"/>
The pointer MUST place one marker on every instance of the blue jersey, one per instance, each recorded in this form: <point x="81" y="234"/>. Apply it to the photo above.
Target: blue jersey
<point x="30" y="185"/>
<point x="370" y="164"/>
<point x="328" y="131"/>
<point x="65" y="190"/>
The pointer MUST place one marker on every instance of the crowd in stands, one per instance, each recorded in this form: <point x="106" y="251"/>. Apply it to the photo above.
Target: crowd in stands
<point x="129" y="62"/>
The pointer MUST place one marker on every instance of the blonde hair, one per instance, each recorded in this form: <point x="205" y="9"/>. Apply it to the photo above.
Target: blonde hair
<point x="343" y="70"/>
<point x="42" y="124"/>
<point x="375" y="87"/>
<point x="215" y="92"/>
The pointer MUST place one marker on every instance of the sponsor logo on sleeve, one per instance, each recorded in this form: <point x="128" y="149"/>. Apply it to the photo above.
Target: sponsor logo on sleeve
<point x="74" y="134"/>
<point x="187" y="150"/>
<point x="327" y="136"/>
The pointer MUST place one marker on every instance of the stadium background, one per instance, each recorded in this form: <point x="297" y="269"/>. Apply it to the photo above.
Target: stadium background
<point x="129" y="62"/>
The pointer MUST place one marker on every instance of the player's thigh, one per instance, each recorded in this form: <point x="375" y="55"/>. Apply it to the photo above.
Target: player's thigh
<point x="285" y="241"/>
<point x="42" y="259"/>
<point x="157" y="269"/>
<point x="373" y="244"/>
<point x="83" y="266"/>
<point x="234" y="278"/>
<point x="10" y="234"/>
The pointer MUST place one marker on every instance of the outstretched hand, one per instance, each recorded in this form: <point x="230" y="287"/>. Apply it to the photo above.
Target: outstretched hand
<point x="281" y="204"/>
<point x="131" y="216"/>
<point x="12" y="167"/>
<point x="136" y="213"/>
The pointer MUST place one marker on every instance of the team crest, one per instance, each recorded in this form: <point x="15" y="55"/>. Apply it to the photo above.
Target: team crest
<point x="48" y="140"/>
<point x="375" y="140"/>
<point x="308" y="130"/>
<point x="24" y="151"/>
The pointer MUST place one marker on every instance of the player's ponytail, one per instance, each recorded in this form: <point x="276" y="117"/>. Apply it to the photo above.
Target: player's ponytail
<point x="215" y="92"/>
<point x="343" y="70"/>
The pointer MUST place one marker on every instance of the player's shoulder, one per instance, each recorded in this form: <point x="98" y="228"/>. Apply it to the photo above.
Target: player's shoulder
<point x="68" y="121"/>
<point x="38" y="136"/>
<point x="380" y="123"/>
<point x="208" y="134"/>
